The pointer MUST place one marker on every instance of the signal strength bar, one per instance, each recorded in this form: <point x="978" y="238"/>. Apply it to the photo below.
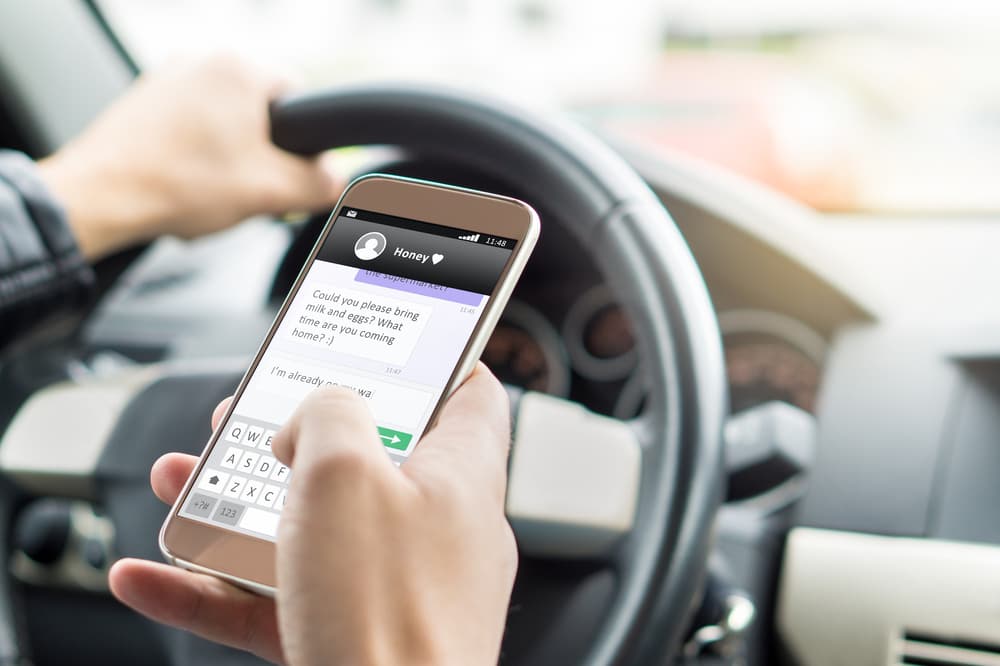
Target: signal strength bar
<point x="471" y="237"/>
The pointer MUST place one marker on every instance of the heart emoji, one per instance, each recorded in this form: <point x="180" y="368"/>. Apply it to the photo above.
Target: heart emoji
<point x="436" y="258"/>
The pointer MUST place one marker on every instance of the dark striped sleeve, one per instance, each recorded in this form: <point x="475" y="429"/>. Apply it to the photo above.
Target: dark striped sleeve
<point x="42" y="273"/>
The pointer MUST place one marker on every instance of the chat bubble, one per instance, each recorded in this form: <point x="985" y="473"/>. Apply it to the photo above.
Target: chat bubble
<point x="279" y="384"/>
<point x="357" y="323"/>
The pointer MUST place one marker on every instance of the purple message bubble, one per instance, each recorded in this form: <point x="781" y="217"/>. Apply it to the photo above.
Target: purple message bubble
<point x="418" y="287"/>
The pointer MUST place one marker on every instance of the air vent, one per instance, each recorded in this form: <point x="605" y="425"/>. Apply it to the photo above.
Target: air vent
<point x="923" y="649"/>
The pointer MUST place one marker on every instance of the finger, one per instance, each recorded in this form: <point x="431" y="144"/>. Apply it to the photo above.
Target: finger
<point x="331" y="421"/>
<point x="230" y="68"/>
<point x="275" y="79"/>
<point x="201" y="604"/>
<point x="302" y="183"/>
<point x="280" y="81"/>
<point x="169" y="474"/>
<point x="472" y="434"/>
<point x="220" y="411"/>
<point x="482" y="394"/>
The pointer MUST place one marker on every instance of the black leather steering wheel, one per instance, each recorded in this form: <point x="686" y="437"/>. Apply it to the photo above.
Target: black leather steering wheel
<point x="657" y="570"/>
<point x="631" y="604"/>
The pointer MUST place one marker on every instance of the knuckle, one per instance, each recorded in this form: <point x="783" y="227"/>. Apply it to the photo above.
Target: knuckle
<point x="336" y="466"/>
<point x="229" y="65"/>
<point x="229" y="74"/>
<point x="290" y="182"/>
<point x="273" y="187"/>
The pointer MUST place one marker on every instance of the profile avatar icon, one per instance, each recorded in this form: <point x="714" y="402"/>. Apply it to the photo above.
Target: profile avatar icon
<point x="370" y="246"/>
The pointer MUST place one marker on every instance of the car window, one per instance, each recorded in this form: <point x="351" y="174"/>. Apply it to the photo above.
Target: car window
<point x="859" y="105"/>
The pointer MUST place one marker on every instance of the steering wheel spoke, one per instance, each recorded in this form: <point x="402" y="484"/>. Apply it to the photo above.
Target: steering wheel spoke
<point x="574" y="479"/>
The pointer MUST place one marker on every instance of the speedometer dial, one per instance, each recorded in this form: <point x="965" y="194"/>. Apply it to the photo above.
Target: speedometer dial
<point x="525" y="350"/>
<point x="599" y="336"/>
<point x="770" y="356"/>
<point x="762" y="370"/>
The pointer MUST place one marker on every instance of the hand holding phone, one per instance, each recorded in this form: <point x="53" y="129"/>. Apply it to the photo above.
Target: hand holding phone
<point x="353" y="574"/>
<point x="395" y="304"/>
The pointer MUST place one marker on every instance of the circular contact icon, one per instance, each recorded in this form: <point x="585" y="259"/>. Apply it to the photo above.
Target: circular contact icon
<point x="370" y="246"/>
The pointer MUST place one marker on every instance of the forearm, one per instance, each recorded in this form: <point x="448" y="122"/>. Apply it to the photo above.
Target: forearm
<point x="42" y="272"/>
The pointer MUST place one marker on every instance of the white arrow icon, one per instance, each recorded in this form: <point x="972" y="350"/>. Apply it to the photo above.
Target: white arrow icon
<point x="393" y="440"/>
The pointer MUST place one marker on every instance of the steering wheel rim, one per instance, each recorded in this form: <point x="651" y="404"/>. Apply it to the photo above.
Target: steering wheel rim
<point x="649" y="267"/>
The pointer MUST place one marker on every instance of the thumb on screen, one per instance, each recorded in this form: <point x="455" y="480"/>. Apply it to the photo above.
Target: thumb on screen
<point x="332" y="427"/>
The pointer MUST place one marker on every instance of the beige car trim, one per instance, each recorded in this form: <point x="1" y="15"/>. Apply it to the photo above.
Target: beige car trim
<point x="848" y="598"/>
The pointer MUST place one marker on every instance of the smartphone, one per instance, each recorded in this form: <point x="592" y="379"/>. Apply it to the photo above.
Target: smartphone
<point x="396" y="302"/>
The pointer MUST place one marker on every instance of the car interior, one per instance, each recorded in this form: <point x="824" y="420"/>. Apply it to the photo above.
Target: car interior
<point x="789" y="414"/>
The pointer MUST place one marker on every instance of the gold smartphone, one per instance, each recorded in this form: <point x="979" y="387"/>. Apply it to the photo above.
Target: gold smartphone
<point x="396" y="302"/>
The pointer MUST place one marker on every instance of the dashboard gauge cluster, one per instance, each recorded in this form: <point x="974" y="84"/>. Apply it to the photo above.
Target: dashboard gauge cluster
<point x="771" y="357"/>
<point x="525" y="350"/>
<point x="592" y="359"/>
<point x="601" y="346"/>
<point x="599" y="337"/>
<point x="592" y="356"/>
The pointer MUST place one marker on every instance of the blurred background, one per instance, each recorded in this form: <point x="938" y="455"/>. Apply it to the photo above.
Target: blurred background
<point x="875" y="106"/>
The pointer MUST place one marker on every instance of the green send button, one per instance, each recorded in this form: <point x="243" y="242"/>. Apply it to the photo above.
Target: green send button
<point x="394" y="439"/>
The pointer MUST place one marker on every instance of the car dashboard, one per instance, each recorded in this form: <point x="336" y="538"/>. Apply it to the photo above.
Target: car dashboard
<point x="884" y="550"/>
<point x="879" y="333"/>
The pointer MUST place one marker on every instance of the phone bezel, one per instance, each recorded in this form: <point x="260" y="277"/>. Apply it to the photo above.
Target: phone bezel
<point x="249" y="561"/>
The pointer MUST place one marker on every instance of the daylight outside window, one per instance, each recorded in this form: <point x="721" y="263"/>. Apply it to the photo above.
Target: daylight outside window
<point x="857" y="106"/>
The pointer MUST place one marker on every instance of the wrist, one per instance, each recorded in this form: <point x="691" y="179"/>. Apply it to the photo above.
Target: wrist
<point x="108" y="206"/>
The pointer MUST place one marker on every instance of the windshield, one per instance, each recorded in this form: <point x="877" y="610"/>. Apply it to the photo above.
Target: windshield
<point x="859" y="105"/>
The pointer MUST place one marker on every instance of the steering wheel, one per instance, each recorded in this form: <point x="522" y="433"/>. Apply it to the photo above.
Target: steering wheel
<point x="594" y="594"/>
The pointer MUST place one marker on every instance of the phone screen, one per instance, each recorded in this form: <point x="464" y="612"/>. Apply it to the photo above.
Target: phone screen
<point x="386" y="310"/>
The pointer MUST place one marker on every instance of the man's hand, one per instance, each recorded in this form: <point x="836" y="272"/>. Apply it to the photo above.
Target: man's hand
<point x="412" y="565"/>
<point x="375" y="564"/>
<point x="186" y="151"/>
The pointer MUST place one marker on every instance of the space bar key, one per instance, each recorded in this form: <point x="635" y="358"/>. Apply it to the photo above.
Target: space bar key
<point x="256" y="520"/>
